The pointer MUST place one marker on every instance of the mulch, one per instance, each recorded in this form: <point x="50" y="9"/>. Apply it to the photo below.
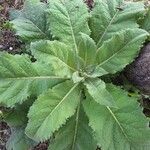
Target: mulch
<point x="8" y="40"/>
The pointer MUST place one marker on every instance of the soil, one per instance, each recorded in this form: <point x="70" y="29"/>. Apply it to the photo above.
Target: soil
<point x="4" y="135"/>
<point x="8" y="41"/>
<point x="140" y="79"/>
<point x="41" y="146"/>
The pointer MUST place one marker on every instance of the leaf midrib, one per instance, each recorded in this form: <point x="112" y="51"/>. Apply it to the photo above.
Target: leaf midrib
<point x="36" y="26"/>
<point x="76" y="124"/>
<point x="73" y="36"/>
<point x="39" y="29"/>
<point x="118" y="51"/>
<point x="119" y="124"/>
<point x="62" y="100"/>
<point x="110" y="23"/>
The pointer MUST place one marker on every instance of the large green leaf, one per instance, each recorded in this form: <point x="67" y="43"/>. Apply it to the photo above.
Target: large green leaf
<point x="97" y="89"/>
<point x="52" y="109"/>
<point x="111" y="16"/>
<point x="20" y="78"/>
<point x="31" y="23"/>
<point x="120" y="50"/>
<point x="56" y="53"/>
<point x="67" y="18"/>
<point x="122" y="128"/>
<point x="75" y="135"/>
<point x="18" y="140"/>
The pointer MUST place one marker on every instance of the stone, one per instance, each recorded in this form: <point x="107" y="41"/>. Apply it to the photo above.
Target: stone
<point x="138" y="73"/>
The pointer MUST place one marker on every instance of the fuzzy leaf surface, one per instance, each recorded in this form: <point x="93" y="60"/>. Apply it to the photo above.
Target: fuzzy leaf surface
<point x="87" y="49"/>
<point x="120" y="50"/>
<point x="111" y="16"/>
<point x="97" y="89"/>
<point x="52" y="109"/>
<point x="20" y="78"/>
<point x="75" y="135"/>
<point x="56" y="53"/>
<point x="67" y="19"/>
<point x="18" y="140"/>
<point x="17" y="116"/>
<point x="122" y="128"/>
<point x="31" y="22"/>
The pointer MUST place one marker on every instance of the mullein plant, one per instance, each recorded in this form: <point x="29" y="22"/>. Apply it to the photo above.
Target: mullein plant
<point x="61" y="95"/>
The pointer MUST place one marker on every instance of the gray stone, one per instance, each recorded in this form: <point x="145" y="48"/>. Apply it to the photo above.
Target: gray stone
<point x="138" y="72"/>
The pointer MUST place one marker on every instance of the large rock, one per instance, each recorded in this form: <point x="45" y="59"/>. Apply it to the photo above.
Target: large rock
<point x="138" y="72"/>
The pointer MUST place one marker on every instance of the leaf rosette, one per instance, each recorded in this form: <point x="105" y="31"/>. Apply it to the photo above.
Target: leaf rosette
<point x="72" y="99"/>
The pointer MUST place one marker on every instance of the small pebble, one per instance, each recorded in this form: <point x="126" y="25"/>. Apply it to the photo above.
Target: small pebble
<point x="10" y="48"/>
<point x="1" y="46"/>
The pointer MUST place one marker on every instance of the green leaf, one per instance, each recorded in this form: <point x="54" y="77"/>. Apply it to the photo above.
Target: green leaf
<point x="94" y="73"/>
<point x="120" y="50"/>
<point x="20" y="78"/>
<point x="87" y="49"/>
<point x="17" y="116"/>
<point x="31" y="23"/>
<point x="111" y="16"/>
<point x="76" y="78"/>
<point x="18" y="140"/>
<point x="122" y="128"/>
<point x="13" y="13"/>
<point x="97" y="89"/>
<point x="75" y="135"/>
<point x="51" y="110"/>
<point x="67" y="18"/>
<point x="57" y="54"/>
<point x="146" y="23"/>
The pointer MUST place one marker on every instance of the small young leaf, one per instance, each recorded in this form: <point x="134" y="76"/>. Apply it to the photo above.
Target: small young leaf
<point x="76" y="78"/>
<point x="97" y="89"/>
<point x="111" y="16"/>
<point x="51" y="110"/>
<point x="98" y="72"/>
<point x="75" y="135"/>
<point x="87" y="49"/>
<point x="120" y="50"/>
<point x="122" y="128"/>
